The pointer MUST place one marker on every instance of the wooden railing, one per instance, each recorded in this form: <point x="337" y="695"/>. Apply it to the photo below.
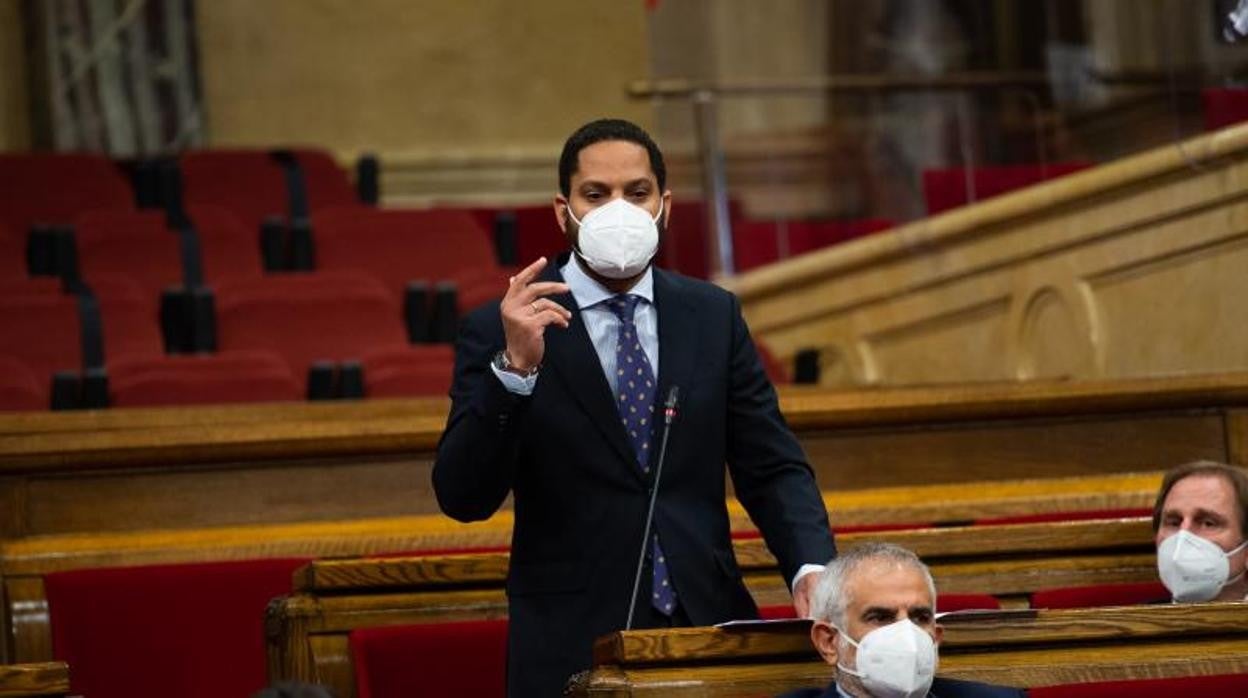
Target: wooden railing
<point x="196" y="468"/>
<point x="1117" y="271"/>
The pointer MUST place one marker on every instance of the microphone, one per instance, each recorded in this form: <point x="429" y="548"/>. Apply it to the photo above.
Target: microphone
<point x="669" y="414"/>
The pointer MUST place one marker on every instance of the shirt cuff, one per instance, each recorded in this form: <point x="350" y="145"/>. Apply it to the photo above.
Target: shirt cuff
<point x="520" y="385"/>
<point x="801" y="571"/>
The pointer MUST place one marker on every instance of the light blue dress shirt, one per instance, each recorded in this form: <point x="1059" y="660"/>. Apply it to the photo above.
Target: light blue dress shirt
<point x="601" y="324"/>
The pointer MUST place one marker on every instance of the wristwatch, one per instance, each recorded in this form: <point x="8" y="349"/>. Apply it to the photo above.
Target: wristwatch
<point x="502" y="363"/>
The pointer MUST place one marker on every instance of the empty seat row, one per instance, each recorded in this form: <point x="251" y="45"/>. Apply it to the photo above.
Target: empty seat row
<point x="316" y="325"/>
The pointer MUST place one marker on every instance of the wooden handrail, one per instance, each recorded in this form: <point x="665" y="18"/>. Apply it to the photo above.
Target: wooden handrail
<point x="849" y="82"/>
<point x="944" y="229"/>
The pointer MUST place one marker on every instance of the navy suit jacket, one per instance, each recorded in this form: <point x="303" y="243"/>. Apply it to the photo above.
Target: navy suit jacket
<point x="941" y="688"/>
<point x="580" y="498"/>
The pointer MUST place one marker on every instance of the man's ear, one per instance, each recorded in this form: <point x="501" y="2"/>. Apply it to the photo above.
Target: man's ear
<point x="561" y="216"/>
<point x="667" y="209"/>
<point x="823" y="636"/>
<point x="938" y="633"/>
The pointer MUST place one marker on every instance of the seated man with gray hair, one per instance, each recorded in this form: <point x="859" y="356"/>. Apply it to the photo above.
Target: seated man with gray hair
<point x="875" y="621"/>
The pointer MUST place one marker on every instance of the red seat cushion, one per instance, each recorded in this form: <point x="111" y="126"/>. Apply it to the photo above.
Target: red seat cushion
<point x="333" y="316"/>
<point x="56" y="187"/>
<point x="39" y="326"/>
<point x="228" y="377"/>
<point x="435" y="659"/>
<point x="252" y="185"/>
<point x="20" y="388"/>
<point x="129" y="316"/>
<point x="409" y="371"/>
<point x="140" y="245"/>
<point x="193" y="631"/>
<point x="1100" y="595"/>
<point x="1225" y="685"/>
<point x="402" y="245"/>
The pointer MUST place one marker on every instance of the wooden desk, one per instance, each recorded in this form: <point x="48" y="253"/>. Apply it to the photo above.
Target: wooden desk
<point x="308" y="631"/>
<point x="1015" y="648"/>
<point x="43" y="679"/>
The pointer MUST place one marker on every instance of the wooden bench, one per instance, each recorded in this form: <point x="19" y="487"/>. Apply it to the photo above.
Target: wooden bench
<point x="23" y="562"/>
<point x="42" y="679"/>
<point x="1022" y="648"/>
<point x="223" y="466"/>
<point x="308" y="631"/>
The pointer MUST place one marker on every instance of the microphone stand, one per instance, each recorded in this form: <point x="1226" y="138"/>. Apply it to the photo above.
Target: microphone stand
<point x="669" y="414"/>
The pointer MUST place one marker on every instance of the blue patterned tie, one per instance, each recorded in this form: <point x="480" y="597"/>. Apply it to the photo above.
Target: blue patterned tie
<point x="635" y="391"/>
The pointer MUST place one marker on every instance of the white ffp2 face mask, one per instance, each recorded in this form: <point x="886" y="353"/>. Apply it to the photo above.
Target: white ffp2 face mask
<point x="1192" y="568"/>
<point x="895" y="661"/>
<point x="617" y="239"/>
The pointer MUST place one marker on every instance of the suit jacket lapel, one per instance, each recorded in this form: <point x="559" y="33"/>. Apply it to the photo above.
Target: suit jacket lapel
<point x="678" y="337"/>
<point x="572" y="356"/>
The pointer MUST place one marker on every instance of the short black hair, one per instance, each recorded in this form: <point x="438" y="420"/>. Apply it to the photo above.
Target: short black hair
<point x="608" y="130"/>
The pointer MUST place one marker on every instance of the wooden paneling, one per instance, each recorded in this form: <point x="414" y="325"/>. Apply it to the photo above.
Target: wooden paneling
<point x="224" y="466"/>
<point x="1016" y="648"/>
<point x="308" y="630"/>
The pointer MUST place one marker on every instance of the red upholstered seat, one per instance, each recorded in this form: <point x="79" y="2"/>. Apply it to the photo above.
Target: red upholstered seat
<point x="252" y="184"/>
<point x="944" y="189"/>
<point x="12" y="255"/>
<point x="435" y="659"/>
<point x="1224" y="107"/>
<point x="948" y="603"/>
<point x="402" y="245"/>
<point x="308" y="317"/>
<point x="54" y="188"/>
<point x="130" y="319"/>
<point x="39" y="326"/>
<point x="409" y="371"/>
<point x="20" y="388"/>
<point x="243" y="376"/>
<point x="192" y="631"/>
<point x="141" y="246"/>
<point x="1224" y="686"/>
<point x="1100" y="595"/>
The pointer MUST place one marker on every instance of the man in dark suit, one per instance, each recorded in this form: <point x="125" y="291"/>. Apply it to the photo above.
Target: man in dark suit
<point x="875" y="621"/>
<point x="558" y="399"/>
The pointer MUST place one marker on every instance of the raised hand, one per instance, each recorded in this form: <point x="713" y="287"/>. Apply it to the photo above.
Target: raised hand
<point x="527" y="312"/>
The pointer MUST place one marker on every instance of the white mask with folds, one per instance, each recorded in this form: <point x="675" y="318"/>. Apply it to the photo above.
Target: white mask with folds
<point x="617" y="239"/>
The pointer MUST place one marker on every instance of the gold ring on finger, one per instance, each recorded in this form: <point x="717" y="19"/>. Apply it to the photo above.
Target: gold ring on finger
<point x="533" y="307"/>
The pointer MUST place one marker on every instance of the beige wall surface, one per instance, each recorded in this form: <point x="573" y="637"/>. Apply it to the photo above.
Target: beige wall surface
<point x="14" y="104"/>
<point x="418" y="79"/>
<point x="1130" y="269"/>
